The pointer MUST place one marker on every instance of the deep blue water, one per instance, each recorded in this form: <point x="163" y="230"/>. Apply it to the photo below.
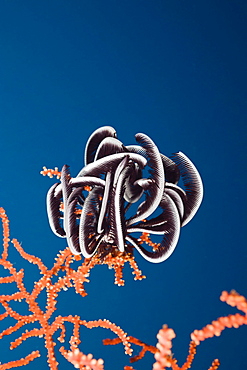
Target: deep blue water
<point x="175" y="70"/>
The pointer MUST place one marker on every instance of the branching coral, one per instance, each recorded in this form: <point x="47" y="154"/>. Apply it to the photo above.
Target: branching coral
<point x="47" y="324"/>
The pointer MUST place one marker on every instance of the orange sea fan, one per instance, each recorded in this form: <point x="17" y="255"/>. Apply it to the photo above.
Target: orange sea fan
<point x="69" y="277"/>
<point x="47" y="326"/>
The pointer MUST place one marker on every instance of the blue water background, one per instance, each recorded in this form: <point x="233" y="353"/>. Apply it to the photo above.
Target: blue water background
<point x="175" y="70"/>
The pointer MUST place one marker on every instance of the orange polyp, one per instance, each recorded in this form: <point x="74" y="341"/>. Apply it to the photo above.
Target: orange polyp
<point x="50" y="172"/>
